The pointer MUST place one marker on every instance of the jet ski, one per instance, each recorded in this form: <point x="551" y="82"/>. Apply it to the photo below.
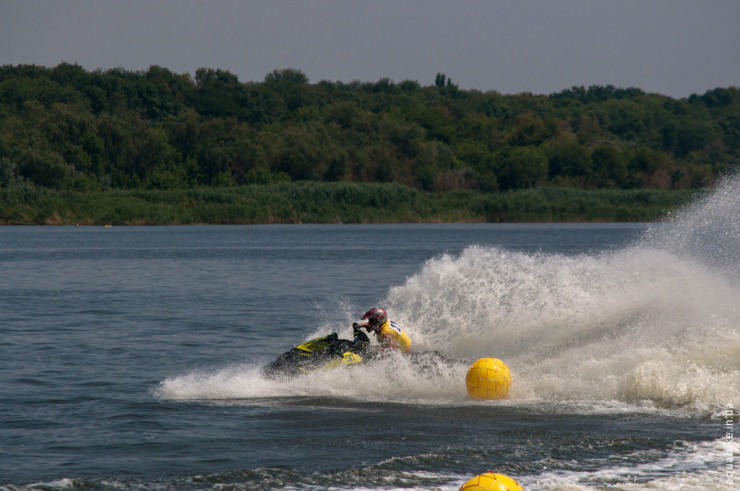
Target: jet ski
<point x="329" y="352"/>
<point x="322" y="353"/>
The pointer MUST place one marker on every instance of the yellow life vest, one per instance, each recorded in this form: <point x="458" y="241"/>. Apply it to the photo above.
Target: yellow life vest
<point x="392" y="336"/>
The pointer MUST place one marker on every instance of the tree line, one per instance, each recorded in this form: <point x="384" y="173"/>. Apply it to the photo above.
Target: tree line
<point x="68" y="128"/>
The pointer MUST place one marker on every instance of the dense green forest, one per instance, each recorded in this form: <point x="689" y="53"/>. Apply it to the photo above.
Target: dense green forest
<point x="69" y="129"/>
<point x="66" y="127"/>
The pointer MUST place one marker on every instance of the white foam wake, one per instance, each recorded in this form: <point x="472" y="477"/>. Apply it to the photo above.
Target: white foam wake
<point x="654" y="325"/>
<point x="706" y="465"/>
<point x="658" y="321"/>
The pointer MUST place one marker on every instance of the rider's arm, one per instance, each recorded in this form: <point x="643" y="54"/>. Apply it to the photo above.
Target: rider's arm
<point x="387" y="342"/>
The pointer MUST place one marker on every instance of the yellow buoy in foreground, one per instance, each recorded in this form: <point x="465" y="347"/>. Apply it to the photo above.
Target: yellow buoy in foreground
<point x="488" y="378"/>
<point x="491" y="482"/>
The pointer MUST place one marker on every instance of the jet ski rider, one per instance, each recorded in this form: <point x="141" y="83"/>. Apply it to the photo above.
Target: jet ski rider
<point x="389" y="334"/>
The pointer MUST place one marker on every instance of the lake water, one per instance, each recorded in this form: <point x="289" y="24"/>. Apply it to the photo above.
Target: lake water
<point x="131" y="355"/>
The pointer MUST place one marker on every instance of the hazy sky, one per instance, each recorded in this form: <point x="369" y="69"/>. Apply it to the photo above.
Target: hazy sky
<point x="673" y="47"/>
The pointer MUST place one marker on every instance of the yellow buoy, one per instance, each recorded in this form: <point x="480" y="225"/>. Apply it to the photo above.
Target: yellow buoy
<point x="488" y="378"/>
<point x="491" y="482"/>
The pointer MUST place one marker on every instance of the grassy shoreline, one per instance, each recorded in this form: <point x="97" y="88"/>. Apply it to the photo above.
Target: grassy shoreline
<point x="340" y="202"/>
